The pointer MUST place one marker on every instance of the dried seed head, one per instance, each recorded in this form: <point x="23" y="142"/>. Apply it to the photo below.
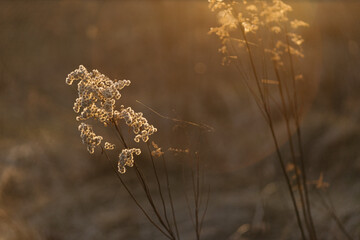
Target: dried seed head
<point x="126" y="158"/>
<point x="216" y="4"/>
<point x="96" y="100"/>
<point x="297" y="23"/>
<point x="88" y="137"/>
<point x="109" y="146"/>
<point x="97" y="94"/>
<point x="76" y="75"/>
<point x="157" y="152"/>
<point x="137" y="122"/>
<point x="260" y="19"/>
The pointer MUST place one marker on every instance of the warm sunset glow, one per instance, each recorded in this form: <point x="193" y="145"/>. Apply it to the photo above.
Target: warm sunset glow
<point x="180" y="120"/>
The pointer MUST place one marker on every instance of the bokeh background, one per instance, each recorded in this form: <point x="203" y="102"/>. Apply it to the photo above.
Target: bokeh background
<point x="51" y="188"/>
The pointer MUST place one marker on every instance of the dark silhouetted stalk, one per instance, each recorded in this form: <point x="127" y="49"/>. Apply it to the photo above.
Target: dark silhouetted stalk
<point x="170" y="197"/>
<point x="298" y="134"/>
<point x="133" y="197"/>
<point x="272" y="130"/>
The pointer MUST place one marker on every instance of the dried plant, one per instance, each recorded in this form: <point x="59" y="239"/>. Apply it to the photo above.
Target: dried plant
<point x="262" y="42"/>
<point x="97" y="96"/>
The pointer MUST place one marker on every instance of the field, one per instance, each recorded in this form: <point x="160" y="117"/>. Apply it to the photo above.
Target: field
<point x="51" y="188"/>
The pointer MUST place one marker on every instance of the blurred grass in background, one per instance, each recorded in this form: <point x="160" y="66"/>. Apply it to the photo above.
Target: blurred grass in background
<point x="50" y="188"/>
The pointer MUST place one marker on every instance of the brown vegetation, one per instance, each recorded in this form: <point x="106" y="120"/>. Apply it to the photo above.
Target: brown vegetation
<point x="51" y="188"/>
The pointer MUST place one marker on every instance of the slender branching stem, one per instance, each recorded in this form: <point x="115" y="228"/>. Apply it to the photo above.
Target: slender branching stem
<point x="298" y="133"/>
<point x="253" y="68"/>
<point x="145" y="187"/>
<point x="187" y="198"/>
<point x="287" y="180"/>
<point x="196" y="190"/>
<point x="133" y="197"/>
<point x="244" y="80"/>
<point x="197" y="197"/>
<point x="205" y="208"/>
<point x="170" y="197"/>
<point x="159" y="188"/>
<point x="270" y="123"/>
<point x="292" y="151"/>
<point x="150" y="199"/>
<point x="119" y="133"/>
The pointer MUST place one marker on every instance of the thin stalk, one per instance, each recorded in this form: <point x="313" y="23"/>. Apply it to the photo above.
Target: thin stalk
<point x="119" y="134"/>
<point x="170" y="197"/>
<point x="148" y="194"/>
<point x="159" y="187"/>
<point x="197" y="197"/>
<point x="253" y="67"/>
<point x="187" y="199"/>
<point x="205" y="209"/>
<point x="247" y="85"/>
<point x="195" y="193"/>
<point x="292" y="151"/>
<point x="287" y="181"/>
<point x="269" y="120"/>
<point x="298" y="133"/>
<point x="144" y="185"/>
<point x="133" y="197"/>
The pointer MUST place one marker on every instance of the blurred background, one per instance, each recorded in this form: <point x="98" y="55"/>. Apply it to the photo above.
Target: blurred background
<point x="51" y="188"/>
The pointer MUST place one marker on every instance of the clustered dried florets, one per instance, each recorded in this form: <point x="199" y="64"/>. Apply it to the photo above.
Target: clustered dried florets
<point x="253" y="16"/>
<point x="109" y="146"/>
<point x="88" y="137"/>
<point x="137" y="122"/>
<point x="157" y="150"/>
<point x="97" y="94"/>
<point x="126" y="158"/>
<point x="96" y="100"/>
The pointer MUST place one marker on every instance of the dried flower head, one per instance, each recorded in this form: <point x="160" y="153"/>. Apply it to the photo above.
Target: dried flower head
<point x="88" y="137"/>
<point x="109" y="146"/>
<point x="275" y="12"/>
<point x="96" y="100"/>
<point x="97" y="94"/>
<point x="137" y="122"/>
<point x="216" y="4"/>
<point x="297" y="23"/>
<point x="260" y="19"/>
<point x="157" y="152"/>
<point x="126" y="158"/>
